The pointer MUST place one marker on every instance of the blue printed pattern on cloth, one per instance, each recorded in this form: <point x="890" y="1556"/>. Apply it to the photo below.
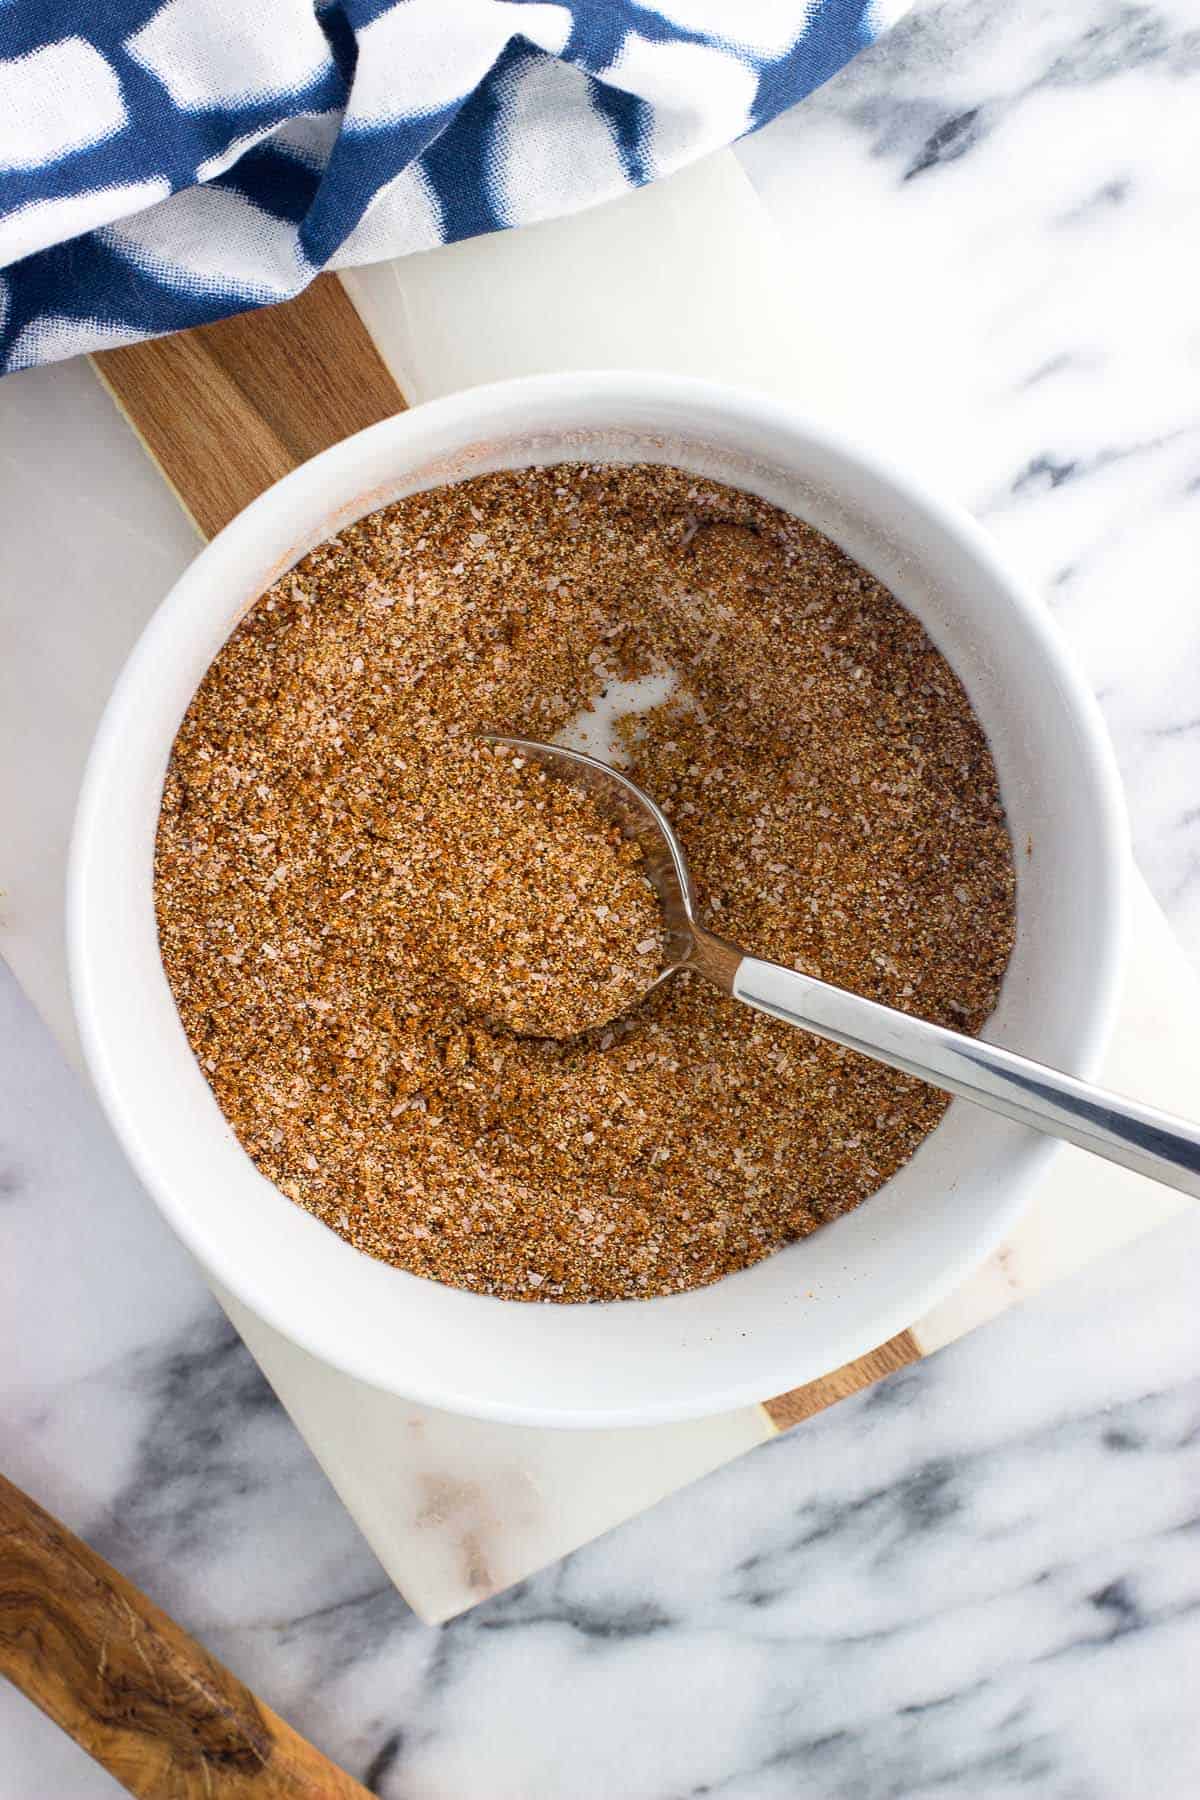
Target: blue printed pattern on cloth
<point x="168" y="162"/>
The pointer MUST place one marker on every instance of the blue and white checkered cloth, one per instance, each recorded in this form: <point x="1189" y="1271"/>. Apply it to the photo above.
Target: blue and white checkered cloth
<point x="168" y="162"/>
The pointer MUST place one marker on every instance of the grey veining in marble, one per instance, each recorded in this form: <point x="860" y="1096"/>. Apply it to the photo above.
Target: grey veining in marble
<point x="1004" y="228"/>
<point x="983" y="1577"/>
<point x="985" y="1573"/>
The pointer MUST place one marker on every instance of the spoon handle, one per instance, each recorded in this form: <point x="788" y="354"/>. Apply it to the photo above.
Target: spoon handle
<point x="130" y="1686"/>
<point x="1150" y="1142"/>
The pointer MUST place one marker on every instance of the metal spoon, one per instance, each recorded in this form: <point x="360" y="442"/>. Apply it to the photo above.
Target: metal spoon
<point x="1150" y="1142"/>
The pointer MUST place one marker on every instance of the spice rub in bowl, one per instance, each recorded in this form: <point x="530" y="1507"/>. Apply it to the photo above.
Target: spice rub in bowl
<point x="319" y="885"/>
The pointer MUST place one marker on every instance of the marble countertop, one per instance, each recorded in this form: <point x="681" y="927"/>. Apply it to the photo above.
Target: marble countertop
<point x="985" y="1574"/>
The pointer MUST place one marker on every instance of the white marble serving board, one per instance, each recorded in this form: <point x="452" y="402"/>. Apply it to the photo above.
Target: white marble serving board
<point x="687" y="276"/>
<point x="457" y="1509"/>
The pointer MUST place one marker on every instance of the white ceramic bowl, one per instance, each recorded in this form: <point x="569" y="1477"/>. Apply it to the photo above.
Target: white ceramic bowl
<point x="819" y="1303"/>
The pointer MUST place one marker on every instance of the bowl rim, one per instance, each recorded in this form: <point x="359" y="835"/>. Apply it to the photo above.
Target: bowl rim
<point x="219" y="1259"/>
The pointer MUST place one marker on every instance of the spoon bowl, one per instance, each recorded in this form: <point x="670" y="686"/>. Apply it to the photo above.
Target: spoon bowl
<point x="1141" y="1138"/>
<point x="688" y="944"/>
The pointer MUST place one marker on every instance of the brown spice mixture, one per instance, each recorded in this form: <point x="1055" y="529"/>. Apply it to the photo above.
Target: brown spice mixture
<point x="527" y="900"/>
<point x="319" y="879"/>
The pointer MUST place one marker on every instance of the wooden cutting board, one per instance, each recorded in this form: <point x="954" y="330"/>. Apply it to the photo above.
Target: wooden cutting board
<point x="224" y="410"/>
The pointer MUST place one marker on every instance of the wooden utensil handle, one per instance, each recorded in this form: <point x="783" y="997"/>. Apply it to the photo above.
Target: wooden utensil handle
<point x="130" y="1686"/>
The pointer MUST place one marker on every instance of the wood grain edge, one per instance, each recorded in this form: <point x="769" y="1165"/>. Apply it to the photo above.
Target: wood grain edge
<point x="212" y="449"/>
<point x="115" y="394"/>
<point x="225" y="410"/>
<point x="144" y="1699"/>
<point x="786" y="1410"/>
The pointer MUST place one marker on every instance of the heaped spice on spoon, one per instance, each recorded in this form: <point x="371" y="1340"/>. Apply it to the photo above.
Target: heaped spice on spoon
<point x="338" y="851"/>
<point x="541" y="917"/>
